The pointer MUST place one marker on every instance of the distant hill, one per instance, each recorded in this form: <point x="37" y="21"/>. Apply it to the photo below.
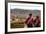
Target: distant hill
<point x="23" y="12"/>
